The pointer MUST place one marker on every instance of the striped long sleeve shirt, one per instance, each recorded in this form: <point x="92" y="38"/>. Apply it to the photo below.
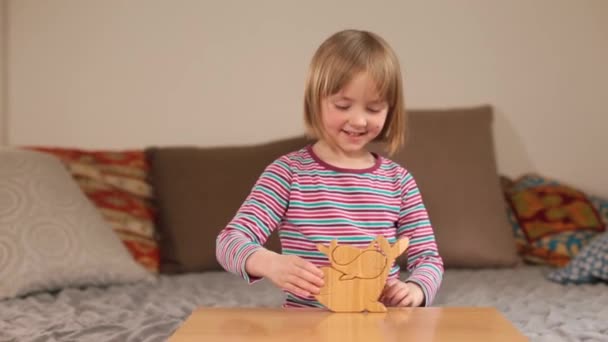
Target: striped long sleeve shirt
<point x="312" y="202"/>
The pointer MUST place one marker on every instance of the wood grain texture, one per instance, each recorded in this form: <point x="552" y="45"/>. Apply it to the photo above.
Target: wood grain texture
<point x="453" y="324"/>
<point x="356" y="276"/>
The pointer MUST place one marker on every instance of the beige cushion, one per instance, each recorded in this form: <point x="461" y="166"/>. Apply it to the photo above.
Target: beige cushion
<point x="450" y="153"/>
<point x="51" y="236"/>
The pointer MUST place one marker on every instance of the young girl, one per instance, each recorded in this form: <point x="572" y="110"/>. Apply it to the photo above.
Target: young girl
<point x="335" y="188"/>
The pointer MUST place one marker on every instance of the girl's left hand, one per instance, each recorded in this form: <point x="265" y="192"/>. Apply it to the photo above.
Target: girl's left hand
<point x="398" y="293"/>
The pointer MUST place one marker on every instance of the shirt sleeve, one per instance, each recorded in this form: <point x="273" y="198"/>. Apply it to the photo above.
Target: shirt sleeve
<point x="423" y="260"/>
<point x="259" y="215"/>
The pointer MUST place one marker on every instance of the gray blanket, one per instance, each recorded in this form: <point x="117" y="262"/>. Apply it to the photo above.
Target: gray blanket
<point x="542" y="310"/>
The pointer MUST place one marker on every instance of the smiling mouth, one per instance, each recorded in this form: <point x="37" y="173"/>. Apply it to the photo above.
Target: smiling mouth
<point x="353" y="134"/>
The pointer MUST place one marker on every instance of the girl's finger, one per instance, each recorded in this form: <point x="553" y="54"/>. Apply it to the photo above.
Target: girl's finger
<point x="390" y="292"/>
<point x="391" y="282"/>
<point x="294" y="289"/>
<point x="406" y="301"/>
<point x="399" y="296"/>
<point x="310" y="267"/>
<point x="396" y="293"/>
<point x="303" y="284"/>
<point x="310" y="277"/>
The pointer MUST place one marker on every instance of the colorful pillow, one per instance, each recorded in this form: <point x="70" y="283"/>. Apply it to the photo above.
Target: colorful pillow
<point x="589" y="266"/>
<point x="117" y="183"/>
<point x="51" y="236"/>
<point x="552" y="221"/>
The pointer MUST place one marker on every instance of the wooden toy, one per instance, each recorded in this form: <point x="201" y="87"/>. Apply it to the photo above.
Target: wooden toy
<point x="356" y="277"/>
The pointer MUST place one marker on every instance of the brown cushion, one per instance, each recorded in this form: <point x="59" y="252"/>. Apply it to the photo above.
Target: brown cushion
<point x="198" y="191"/>
<point x="450" y="153"/>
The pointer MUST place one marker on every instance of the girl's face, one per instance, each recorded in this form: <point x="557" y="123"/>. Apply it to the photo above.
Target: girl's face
<point x="355" y="115"/>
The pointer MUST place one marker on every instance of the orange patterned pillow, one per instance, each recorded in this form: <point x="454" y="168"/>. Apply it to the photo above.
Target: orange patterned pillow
<point x="116" y="182"/>
<point x="552" y="221"/>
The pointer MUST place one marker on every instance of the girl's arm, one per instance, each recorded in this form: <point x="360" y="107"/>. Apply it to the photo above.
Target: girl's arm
<point x="423" y="260"/>
<point x="257" y="218"/>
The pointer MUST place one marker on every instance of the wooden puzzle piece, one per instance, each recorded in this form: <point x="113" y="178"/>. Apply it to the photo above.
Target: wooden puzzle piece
<point x="356" y="277"/>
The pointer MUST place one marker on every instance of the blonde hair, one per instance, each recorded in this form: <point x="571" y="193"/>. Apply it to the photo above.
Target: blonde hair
<point x="339" y="58"/>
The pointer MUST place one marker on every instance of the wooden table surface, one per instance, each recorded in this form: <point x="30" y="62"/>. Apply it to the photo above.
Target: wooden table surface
<point x="398" y="324"/>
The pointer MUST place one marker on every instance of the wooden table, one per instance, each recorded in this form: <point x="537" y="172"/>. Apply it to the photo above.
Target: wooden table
<point x="398" y="324"/>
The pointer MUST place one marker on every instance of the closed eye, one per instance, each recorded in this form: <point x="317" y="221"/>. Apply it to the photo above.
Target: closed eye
<point x="341" y="107"/>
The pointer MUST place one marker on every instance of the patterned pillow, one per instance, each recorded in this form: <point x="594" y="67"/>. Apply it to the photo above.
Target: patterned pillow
<point x="552" y="221"/>
<point x="117" y="183"/>
<point x="589" y="266"/>
<point x="51" y="236"/>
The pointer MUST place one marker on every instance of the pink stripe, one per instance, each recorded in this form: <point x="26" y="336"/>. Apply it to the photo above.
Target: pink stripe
<point x="410" y="202"/>
<point x="388" y="232"/>
<point x="274" y="186"/>
<point x="355" y="182"/>
<point x="334" y="213"/>
<point x="315" y="198"/>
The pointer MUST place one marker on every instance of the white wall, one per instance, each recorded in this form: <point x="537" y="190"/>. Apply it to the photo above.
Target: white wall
<point x="113" y="74"/>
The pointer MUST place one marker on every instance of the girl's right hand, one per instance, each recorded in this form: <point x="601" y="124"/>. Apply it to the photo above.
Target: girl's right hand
<point x="288" y="272"/>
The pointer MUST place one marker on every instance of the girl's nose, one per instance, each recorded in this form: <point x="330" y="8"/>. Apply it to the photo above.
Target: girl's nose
<point x="358" y="120"/>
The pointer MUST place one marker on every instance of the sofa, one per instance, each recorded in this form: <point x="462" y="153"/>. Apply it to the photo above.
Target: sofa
<point x="119" y="245"/>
